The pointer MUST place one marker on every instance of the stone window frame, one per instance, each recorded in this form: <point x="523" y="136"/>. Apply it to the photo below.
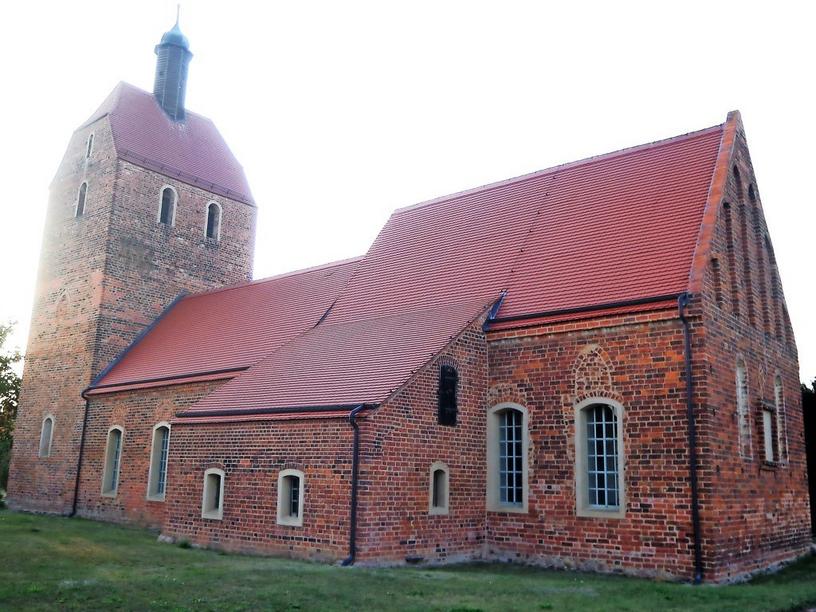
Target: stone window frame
<point x="172" y="222"/>
<point x="44" y="450"/>
<point x="89" y="143"/>
<point x="155" y="458"/>
<point x="217" y="233"/>
<point x="444" y="507"/>
<point x="83" y="196"/>
<point x="582" y="507"/>
<point x="110" y="483"/>
<point x="284" y="492"/>
<point x="492" y="495"/>
<point x="209" y="510"/>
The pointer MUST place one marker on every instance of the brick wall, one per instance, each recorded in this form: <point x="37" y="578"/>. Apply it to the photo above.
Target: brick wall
<point x="754" y="513"/>
<point x="103" y="277"/>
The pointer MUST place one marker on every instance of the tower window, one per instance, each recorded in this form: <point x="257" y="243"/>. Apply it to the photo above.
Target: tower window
<point x="439" y="492"/>
<point x="113" y="456"/>
<point x="157" y="474"/>
<point x="46" y="435"/>
<point x="213" y="220"/>
<point x="89" y="146"/>
<point x="290" y="498"/>
<point x="212" y="501"/>
<point x="448" y="381"/>
<point x="167" y="206"/>
<point x="80" y="204"/>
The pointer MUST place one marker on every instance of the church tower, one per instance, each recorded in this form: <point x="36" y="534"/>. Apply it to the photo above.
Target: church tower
<point x="147" y="203"/>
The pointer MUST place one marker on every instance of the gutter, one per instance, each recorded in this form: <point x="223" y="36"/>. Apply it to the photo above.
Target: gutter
<point x="682" y="304"/>
<point x="81" y="450"/>
<point x="355" y="465"/>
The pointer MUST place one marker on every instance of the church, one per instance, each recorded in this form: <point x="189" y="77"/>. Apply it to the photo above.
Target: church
<point x="590" y="366"/>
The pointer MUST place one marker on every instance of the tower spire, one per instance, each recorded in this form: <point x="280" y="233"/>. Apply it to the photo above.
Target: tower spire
<point x="173" y="56"/>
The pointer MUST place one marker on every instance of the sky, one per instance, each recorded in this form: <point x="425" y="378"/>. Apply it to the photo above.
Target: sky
<point x="341" y="112"/>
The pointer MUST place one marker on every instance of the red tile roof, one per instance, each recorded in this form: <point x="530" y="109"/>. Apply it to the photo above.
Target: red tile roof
<point x="229" y="329"/>
<point x="193" y="151"/>
<point x="592" y="234"/>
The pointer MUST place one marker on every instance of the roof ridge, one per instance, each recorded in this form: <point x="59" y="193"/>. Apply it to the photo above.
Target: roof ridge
<point x="259" y="281"/>
<point x="572" y="164"/>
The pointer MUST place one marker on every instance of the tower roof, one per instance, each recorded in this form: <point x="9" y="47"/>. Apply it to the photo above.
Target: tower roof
<point x="193" y="151"/>
<point x="174" y="36"/>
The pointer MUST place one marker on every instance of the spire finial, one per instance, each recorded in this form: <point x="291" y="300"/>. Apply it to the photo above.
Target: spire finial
<point x="178" y="12"/>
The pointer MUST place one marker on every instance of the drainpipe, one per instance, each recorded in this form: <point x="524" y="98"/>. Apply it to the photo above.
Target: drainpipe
<point x="81" y="450"/>
<point x="355" y="462"/>
<point x="682" y="305"/>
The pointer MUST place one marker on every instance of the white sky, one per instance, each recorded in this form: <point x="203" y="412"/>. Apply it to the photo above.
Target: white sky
<point x="342" y="111"/>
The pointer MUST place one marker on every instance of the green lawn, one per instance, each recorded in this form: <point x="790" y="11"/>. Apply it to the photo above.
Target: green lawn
<point x="50" y="562"/>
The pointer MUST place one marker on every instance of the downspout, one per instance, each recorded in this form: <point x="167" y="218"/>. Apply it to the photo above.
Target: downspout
<point x="682" y="305"/>
<point x="355" y="462"/>
<point x="81" y="449"/>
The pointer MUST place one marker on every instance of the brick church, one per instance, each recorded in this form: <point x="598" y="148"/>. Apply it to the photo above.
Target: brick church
<point x="591" y="366"/>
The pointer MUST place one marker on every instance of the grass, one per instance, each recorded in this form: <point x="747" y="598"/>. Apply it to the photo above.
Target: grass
<point x="72" y="564"/>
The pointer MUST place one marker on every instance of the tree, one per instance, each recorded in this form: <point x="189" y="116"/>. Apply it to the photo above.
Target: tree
<point x="9" y="397"/>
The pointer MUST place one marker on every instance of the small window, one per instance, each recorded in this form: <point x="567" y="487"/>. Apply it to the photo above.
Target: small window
<point x="213" y="220"/>
<point x="80" y="204"/>
<point x="448" y="381"/>
<point x="439" y="489"/>
<point x="89" y="146"/>
<point x="113" y="457"/>
<point x="46" y="435"/>
<point x="743" y="413"/>
<point x="781" y="422"/>
<point x="290" y="498"/>
<point x="167" y="206"/>
<point x="212" y="502"/>
<point x="157" y="474"/>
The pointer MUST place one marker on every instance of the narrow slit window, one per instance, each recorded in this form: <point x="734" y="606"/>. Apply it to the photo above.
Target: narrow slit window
<point x="157" y="479"/>
<point x="448" y="382"/>
<point x="46" y="435"/>
<point x="716" y="281"/>
<point x="212" y="503"/>
<point x="89" y="147"/>
<point x="781" y="420"/>
<point x="80" y="204"/>
<point x="768" y="434"/>
<point x="113" y="457"/>
<point x="732" y="264"/>
<point x="213" y="221"/>
<point x="743" y="413"/>
<point x="167" y="207"/>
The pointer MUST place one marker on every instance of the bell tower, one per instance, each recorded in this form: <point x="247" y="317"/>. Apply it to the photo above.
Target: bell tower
<point x="147" y="203"/>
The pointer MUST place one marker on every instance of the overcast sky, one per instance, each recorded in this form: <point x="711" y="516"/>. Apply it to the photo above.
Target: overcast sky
<point x="342" y="111"/>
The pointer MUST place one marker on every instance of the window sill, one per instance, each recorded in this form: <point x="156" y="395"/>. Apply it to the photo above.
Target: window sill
<point x="508" y="509"/>
<point x="290" y="522"/>
<point x="438" y="511"/>
<point x="770" y="466"/>
<point x="212" y="516"/>
<point x="155" y="498"/>
<point x="601" y="514"/>
<point x="108" y="494"/>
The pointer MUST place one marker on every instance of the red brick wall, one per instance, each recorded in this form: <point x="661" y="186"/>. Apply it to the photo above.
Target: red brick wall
<point x="137" y="412"/>
<point x="636" y="360"/>
<point x="754" y="514"/>
<point x="401" y="440"/>
<point x="102" y="278"/>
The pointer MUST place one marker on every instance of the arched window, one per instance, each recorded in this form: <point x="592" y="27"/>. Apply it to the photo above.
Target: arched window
<point x="439" y="492"/>
<point x="80" y="203"/>
<point x="212" y="500"/>
<point x="599" y="458"/>
<point x="167" y="206"/>
<point x="46" y="436"/>
<point x="507" y="458"/>
<point x="159" y="452"/>
<point x="113" y="457"/>
<point x="448" y="382"/>
<point x="291" y="490"/>
<point x="89" y="146"/>
<point x="213" y="229"/>
<point x="743" y="410"/>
